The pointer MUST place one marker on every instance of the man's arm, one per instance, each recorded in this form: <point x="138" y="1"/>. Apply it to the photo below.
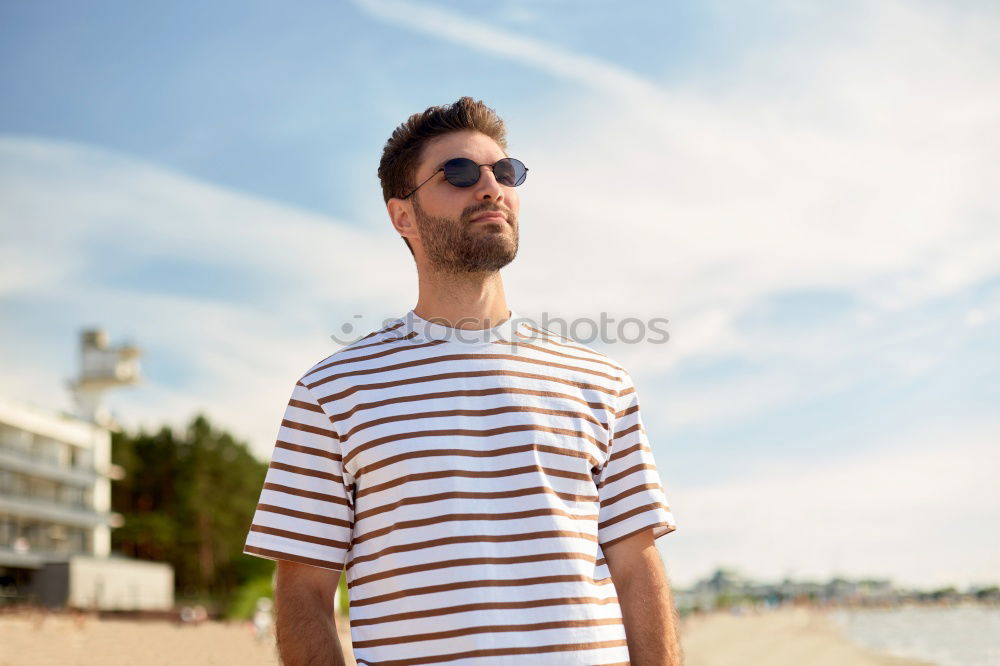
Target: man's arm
<point x="647" y="605"/>
<point x="304" y="622"/>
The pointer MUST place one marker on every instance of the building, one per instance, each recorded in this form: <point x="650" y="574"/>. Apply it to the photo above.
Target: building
<point x="55" y="486"/>
<point x="55" y="499"/>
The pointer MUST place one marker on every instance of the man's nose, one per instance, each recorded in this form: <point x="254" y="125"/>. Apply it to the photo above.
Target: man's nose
<point x="488" y="187"/>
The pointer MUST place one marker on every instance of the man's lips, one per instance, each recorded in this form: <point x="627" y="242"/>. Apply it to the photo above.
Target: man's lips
<point x="491" y="215"/>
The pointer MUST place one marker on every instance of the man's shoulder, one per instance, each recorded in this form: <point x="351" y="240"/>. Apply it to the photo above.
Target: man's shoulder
<point x="560" y="342"/>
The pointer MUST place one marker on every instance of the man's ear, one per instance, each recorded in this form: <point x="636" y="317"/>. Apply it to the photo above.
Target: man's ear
<point x="401" y="215"/>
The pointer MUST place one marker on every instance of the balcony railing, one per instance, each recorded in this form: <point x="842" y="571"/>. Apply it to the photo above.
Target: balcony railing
<point x="18" y="461"/>
<point x="27" y="507"/>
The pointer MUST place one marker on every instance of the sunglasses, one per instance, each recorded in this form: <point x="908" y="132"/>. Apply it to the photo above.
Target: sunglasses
<point x="463" y="172"/>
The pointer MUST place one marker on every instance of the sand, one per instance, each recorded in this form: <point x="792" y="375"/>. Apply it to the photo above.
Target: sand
<point x="790" y="637"/>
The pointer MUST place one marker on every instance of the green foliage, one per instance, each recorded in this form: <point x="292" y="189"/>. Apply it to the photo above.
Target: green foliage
<point x="244" y="602"/>
<point x="729" y="600"/>
<point x="345" y="602"/>
<point x="188" y="500"/>
<point x="988" y="592"/>
<point x="944" y="592"/>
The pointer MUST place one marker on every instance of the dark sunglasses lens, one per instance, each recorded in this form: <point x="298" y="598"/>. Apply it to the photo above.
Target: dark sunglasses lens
<point x="461" y="172"/>
<point x="510" y="172"/>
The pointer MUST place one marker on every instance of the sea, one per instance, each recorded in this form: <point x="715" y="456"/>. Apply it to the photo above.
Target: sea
<point x="963" y="635"/>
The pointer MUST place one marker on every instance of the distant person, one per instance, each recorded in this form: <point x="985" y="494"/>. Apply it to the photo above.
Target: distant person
<point x="262" y="619"/>
<point x="486" y="484"/>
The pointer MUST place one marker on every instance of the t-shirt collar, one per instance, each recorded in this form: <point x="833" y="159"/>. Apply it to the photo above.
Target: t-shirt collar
<point x="503" y="332"/>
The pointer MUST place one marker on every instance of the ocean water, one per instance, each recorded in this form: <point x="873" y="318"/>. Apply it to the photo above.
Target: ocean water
<point x="967" y="635"/>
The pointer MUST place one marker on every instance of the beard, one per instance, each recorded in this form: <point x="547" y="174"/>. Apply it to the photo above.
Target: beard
<point x="458" y="246"/>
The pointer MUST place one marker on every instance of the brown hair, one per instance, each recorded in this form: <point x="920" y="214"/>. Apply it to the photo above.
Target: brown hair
<point x="404" y="149"/>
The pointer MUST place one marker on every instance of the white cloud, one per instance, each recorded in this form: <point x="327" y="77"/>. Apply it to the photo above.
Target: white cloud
<point x="867" y="171"/>
<point x="911" y="510"/>
<point x="591" y="72"/>
<point x="72" y="213"/>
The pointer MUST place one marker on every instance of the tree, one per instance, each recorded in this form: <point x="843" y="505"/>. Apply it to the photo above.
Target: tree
<point x="188" y="500"/>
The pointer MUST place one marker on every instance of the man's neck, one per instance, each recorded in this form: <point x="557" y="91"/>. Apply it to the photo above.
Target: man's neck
<point x="469" y="300"/>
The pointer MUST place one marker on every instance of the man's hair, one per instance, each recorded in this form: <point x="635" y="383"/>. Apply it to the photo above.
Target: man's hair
<point x="403" y="151"/>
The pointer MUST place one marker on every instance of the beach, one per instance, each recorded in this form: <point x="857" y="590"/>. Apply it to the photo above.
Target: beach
<point x="787" y="637"/>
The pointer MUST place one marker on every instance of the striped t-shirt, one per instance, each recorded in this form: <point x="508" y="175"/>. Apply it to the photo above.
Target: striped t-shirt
<point x="466" y="481"/>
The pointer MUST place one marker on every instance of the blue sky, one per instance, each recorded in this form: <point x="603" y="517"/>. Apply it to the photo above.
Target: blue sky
<point x="218" y="89"/>
<point x="805" y="193"/>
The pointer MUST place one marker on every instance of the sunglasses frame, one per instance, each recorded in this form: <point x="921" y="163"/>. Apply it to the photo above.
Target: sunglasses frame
<point x="479" y="167"/>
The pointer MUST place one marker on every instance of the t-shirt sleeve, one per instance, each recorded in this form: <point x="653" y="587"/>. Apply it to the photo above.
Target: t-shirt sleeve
<point x="631" y="494"/>
<point x="306" y="508"/>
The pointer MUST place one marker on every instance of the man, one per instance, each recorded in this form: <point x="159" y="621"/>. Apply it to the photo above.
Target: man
<point x="487" y="485"/>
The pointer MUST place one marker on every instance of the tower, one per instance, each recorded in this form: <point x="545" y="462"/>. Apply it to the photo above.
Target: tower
<point x="102" y="367"/>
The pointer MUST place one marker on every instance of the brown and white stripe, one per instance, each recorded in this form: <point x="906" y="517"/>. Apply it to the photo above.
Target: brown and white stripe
<point x="466" y="485"/>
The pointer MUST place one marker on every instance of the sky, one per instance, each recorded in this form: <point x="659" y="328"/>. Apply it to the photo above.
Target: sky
<point x="805" y="192"/>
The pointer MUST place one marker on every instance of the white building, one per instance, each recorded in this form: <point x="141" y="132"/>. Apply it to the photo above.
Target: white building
<point x="55" y="498"/>
<point x="55" y="486"/>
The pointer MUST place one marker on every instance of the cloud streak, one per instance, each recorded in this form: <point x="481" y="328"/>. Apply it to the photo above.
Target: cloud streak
<point x="587" y="71"/>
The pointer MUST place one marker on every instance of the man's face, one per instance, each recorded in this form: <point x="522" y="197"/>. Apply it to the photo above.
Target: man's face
<point x="465" y="229"/>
